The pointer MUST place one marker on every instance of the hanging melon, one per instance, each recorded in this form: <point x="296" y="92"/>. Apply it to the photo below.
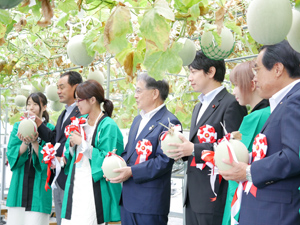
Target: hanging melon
<point x="96" y="75"/>
<point x="20" y="100"/>
<point x="51" y="93"/>
<point x="56" y="106"/>
<point x="188" y="52"/>
<point x="293" y="36"/>
<point x="8" y="4"/>
<point x="77" y="52"/>
<point x="269" y="21"/>
<point x="210" y="47"/>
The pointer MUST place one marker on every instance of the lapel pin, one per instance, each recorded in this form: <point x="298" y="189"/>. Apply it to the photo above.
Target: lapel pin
<point x="280" y="103"/>
<point x="150" y="128"/>
<point x="213" y="106"/>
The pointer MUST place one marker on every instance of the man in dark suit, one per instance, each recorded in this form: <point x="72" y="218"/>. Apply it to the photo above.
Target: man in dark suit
<point x="205" y="199"/>
<point x="66" y="86"/>
<point x="146" y="179"/>
<point x="273" y="178"/>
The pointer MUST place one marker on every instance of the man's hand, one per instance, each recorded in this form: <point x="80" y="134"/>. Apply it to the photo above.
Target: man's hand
<point x="38" y="121"/>
<point x="125" y="174"/>
<point x="184" y="149"/>
<point x="236" y="173"/>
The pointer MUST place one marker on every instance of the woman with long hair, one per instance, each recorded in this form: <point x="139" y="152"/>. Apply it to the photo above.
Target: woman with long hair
<point x="89" y="199"/>
<point x="27" y="200"/>
<point x="245" y="92"/>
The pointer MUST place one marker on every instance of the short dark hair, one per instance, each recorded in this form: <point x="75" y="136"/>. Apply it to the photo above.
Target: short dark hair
<point x="283" y="53"/>
<point x="74" y="77"/>
<point x="201" y="62"/>
<point x="161" y="85"/>
<point x="92" y="88"/>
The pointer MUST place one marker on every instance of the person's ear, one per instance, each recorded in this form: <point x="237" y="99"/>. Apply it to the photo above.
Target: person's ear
<point x="278" y="67"/>
<point x="211" y="71"/>
<point x="253" y="85"/>
<point x="155" y="93"/>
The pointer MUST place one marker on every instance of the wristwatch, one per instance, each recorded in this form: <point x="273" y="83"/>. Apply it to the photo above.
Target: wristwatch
<point x="193" y="152"/>
<point x="248" y="173"/>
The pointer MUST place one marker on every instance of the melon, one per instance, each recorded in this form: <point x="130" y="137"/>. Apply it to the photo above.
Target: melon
<point x="24" y="90"/>
<point x="293" y="36"/>
<point x="188" y="52"/>
<point x="171" y="137"/>
<point x="27" y="127"/>
<point x="7" y="4"/>
<point x="110" y="163"/>
<point x="269" y="21"/>
<point x="96" y="75"/>
<point x="20" y="100"/>
<point x="38" y="87"/>
<point x="77" y="52"/>
<point x="222" y="152"/>
<point x="56" y="106"/>
<point x="210" y="47"/>
<point x="51" y="93"/>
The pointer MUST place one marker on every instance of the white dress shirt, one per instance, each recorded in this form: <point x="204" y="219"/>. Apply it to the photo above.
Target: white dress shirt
<point x="206" y="100"/>
<point x="146" y="117"/>
<point x="277" y="97"/>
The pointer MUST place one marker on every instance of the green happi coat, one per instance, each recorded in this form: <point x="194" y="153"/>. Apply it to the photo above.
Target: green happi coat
<point x="107" y="195"/>
<point x="250" y="127"/>
<point x="27" y="186"/>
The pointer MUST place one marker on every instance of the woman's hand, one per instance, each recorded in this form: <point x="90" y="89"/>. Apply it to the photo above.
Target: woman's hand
<point x="75" y="138"/>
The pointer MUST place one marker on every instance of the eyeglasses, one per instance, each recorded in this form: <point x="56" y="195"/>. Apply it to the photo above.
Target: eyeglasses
<point x="79" y="100"/>
<point x="255" y="69"/>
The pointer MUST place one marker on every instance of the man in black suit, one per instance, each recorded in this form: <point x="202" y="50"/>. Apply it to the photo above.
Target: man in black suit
<point x="66" y="86"/>
<point x="205" y="200"/>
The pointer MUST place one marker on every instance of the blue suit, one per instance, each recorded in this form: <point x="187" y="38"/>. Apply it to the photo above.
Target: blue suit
<point x="277" y="176"/>
<point x="148" y="190"/>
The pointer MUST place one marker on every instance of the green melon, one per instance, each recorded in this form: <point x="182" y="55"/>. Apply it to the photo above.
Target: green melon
<point x="221" y="152"/>
<point x="38" y="87"/>
<point x="51" y="93"/>
<point x="77" y="52"/>
<point x="214" y="51"/>
<point x="269" y="21"/>
<point x="171" y="137"/>
<point x="24" y="90"/>
<point x="110" y="163"/>
<point x="7" y="4"/>
<point x="27" y="127"/>
<point x="96" y="75"/>
<point x="20" y="100"/>
<point x="56" y="106"/>
<point x="188" y="52"/>
<point x="293" y="36"/>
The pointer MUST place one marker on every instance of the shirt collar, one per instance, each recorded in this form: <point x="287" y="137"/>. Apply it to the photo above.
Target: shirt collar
<point x="70" y="108"/>
<point x="151" y="113"/>
<point x="210" y="95"/>
<point x="278" y="96"/>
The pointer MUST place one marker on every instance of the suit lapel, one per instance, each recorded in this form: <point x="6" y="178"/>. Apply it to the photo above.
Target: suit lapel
<point x="150" y="126"/>
<point x="208" y="112"/>
<point x="194" y="117"/>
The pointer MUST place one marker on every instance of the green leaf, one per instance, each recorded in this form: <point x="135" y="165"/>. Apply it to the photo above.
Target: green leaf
<point x="67" y="5"/>
<point x="5" y="17"/>
<point x="94" y="42"/>
<point x="158" y="62"/>
<point x="217" y="38"/>
<point x="2" y="30"/>
<point x="190" y="3"/>
<point x="118" y="44"/>
<point x="35" y="29"/>
<point x="155" y="28"/>
<point x="63" y="18"/>
<point x="232" y="25"/>
<point x="195" y="10"/>
<point x="163" y="9"/>
<point x="44" y="51"/>
<point x="297" y="5"/>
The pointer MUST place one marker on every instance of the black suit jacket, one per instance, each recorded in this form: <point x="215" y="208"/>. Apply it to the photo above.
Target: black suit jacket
<point x="223" y="108"/>
<point x="58" y="136"/>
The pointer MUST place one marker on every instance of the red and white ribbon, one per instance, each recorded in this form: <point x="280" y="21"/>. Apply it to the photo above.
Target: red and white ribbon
<point x="175" y="127"/>
<point x="76" y="125"/>
<point x="30" y="118"/>
<point x="259" y="151"/>
<point x="144" y="150"/>
<point x="49" y="152"/>
<point x="207" y="134"/>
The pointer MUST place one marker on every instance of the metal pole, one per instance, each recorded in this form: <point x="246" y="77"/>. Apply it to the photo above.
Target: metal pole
<point x="108" y="79"/>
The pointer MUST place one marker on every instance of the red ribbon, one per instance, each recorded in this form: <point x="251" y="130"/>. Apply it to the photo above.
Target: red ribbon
<point x="144" y="150"/>
<point x="48" y="154"/>
<point x="75" y="126"/>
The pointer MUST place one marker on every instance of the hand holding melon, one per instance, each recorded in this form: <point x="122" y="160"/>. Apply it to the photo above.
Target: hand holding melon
<point x="112" y="161"/>
<point x="168" y="137"/>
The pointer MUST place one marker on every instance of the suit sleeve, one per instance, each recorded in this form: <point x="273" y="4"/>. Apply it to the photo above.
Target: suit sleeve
<point x="232" y="118"/>
<point x="154" y="167"/>
<point x="284" y="163"/>
<point x="46" y="134"/>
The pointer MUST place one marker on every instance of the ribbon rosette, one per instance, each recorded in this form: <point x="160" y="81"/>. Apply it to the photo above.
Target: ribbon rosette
<point x="76" y="125"/>
<point x="49" y="153"/>
<point x="259" y="151"/>
<point x="143" y="149"/>
<point x="207" y="134"/>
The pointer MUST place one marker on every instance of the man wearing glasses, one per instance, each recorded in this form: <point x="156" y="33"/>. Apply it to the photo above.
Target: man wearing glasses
<point x="146" y="179"/>
<point x="271" y="181"/>
<point x="66" y="86"/>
